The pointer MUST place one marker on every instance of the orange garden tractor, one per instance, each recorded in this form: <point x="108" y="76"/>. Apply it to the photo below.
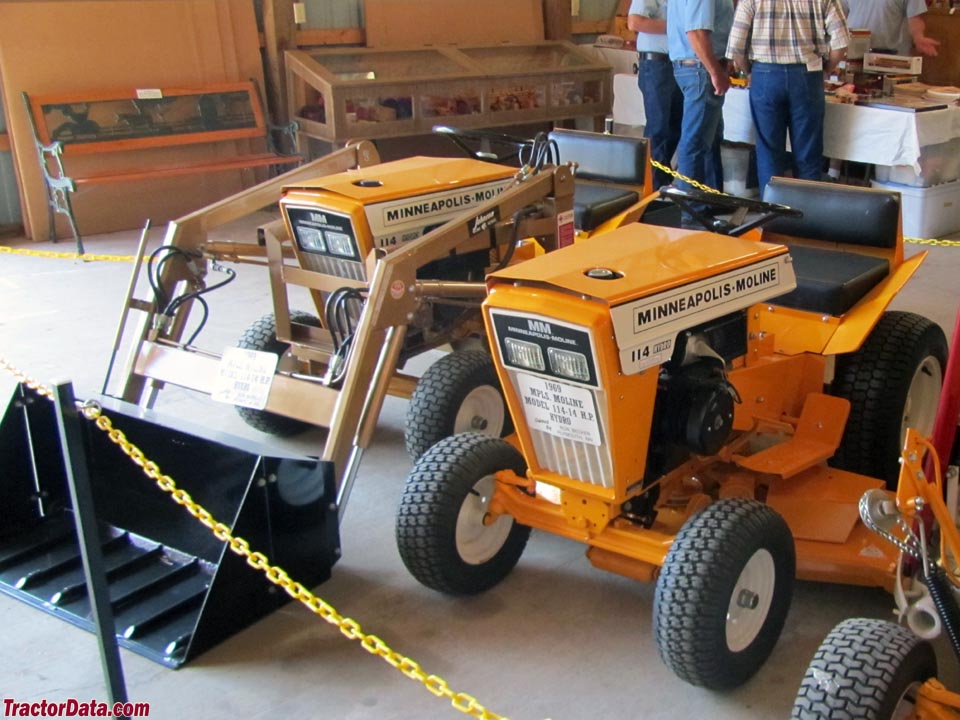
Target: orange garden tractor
<point x="701" y="410"/>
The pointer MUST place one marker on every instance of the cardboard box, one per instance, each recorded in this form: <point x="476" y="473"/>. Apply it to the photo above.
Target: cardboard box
<point x="939" y="163"/>
<point x="927" y="212"/>
<point x="899" y="64"/>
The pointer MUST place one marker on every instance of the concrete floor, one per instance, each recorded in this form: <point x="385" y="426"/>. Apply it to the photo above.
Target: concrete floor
<point x="558" y="639"/>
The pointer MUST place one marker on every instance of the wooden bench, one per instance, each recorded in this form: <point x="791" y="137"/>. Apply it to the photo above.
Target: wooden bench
<point x="68" y="125"/>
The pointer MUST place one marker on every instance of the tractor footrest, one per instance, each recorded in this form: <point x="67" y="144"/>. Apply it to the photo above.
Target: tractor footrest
<point x="816" y="439"/>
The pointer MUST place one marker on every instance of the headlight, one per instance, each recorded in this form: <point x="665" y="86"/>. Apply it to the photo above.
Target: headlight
<point x="311" y="239"/>
<point x="340" y="244"/>
<point x="569" y="364"/>
<point x="524" y="354"/>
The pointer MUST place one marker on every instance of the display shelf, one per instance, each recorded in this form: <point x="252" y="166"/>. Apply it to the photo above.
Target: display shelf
<point x="338" y="95"/>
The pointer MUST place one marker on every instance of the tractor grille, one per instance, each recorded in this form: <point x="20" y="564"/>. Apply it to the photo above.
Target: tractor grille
<point x="574" y="459"/>
<point x="350" y="269"/>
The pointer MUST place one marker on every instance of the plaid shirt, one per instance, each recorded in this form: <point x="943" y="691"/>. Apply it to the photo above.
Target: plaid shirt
<point x="787" y="31"/>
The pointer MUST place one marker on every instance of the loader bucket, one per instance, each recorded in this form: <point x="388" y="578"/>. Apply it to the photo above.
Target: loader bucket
<point x="175" y="590"/>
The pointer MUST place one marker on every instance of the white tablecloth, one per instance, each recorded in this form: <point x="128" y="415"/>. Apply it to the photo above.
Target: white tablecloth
<point x="851" y="132"/>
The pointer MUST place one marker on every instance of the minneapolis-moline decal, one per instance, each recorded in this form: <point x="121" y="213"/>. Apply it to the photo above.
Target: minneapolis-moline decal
<point x="399" y="221"/>
<point x="646" y="328"/>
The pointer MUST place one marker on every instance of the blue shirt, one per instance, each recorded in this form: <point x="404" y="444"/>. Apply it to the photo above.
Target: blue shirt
<point x="686" y="15"/>
<point x="886" y="20"/>
<point x="656" y="10"/>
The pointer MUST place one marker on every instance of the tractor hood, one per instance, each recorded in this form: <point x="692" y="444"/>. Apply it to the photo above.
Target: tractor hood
<point x="658" y="281"/>
<point x="409" y="177"/>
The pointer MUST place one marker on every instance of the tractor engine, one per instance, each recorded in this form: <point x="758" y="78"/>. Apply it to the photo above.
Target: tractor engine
<point x="695" y="401"/>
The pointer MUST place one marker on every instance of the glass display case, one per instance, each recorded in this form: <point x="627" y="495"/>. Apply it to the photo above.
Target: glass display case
<point x="338" y="95"/>
<point x="92" y="122"/>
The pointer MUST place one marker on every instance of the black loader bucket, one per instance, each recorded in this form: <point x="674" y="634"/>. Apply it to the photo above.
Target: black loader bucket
<point x="175" y="590"/>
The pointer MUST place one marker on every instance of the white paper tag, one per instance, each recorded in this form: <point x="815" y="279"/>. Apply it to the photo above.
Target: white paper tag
<point x="149" y="94"/>
<point x="244" y="378"/>
<point x="563" y="410"/>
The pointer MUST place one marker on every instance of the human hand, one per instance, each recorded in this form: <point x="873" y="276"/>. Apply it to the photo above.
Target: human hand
<point x="927" y="45"/>
<point x="721" y="82"/>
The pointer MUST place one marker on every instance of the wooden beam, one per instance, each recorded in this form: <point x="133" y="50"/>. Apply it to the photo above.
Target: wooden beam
<point x="279" y="33"/>
<point x="589" y="27"/>
<point x="557" y="19"/>
<point x="331" y="36"/>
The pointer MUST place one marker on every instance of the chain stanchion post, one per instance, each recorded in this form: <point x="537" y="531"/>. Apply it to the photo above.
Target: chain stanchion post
<point x="81" y="496"/>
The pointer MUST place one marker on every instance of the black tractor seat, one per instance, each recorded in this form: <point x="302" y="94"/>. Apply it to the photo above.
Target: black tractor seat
<point x="831" y="281"/>
<point x="610" y="173"/>
<point x="831" y="276"/>
<point x="593" y="205"/>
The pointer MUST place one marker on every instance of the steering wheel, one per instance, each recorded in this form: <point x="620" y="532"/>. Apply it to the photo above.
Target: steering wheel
<point x="690" y="201"/>
<point x="485" y="142"/>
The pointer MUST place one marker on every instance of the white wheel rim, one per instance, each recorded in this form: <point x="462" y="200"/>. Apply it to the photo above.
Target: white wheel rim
<point x="481" y="411"/>
<point x="907" y="703"/>
<point x="750" y="601"/>
<point x="477" y="543"/>
<point x="920" y="408"/>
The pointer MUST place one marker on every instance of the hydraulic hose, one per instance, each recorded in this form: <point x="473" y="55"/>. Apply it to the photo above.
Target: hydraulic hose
<point x="946" y="603"/>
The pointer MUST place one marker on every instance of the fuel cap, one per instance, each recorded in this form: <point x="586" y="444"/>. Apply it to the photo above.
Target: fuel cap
<point x="600" y="273"/>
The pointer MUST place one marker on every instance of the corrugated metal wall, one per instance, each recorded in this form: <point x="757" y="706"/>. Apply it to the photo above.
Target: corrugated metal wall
<point x="9" y="195"/>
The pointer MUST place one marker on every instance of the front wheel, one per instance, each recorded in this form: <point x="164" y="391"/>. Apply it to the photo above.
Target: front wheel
<point x="262" y="337"/>
<point x="458" y="393"/>
<point x="865" y="668"/>
<point x="723" y="593"/>
<point x="445" y="534"/>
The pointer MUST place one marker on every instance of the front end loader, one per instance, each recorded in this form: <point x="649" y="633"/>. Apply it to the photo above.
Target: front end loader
<point x="394" y="257"/>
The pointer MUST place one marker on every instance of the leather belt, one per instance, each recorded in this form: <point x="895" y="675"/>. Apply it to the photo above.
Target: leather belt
<point x="662" y="57"/>
<point x="694" y="62"/>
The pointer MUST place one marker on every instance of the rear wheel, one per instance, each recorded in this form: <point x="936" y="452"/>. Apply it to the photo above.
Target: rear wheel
<point x="262" y="336"/>
<point x="892" y="382"/>
<point x="723" y="593"/>
<point x="444" y="533"/>
<point x="865" y="668"/>
<point x="458" y="393"/>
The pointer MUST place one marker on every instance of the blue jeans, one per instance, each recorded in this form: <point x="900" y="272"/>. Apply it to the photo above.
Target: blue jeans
<point x="787" y="97"/>
<point x="663" y="106"/>
<point x="698" y="155"/>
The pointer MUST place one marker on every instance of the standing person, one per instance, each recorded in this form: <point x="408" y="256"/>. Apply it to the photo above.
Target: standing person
<point x="893" y="24"/>
<point x="697" y="33"/>
<point x="784" y="44"/>
<point x="662" y="99"/>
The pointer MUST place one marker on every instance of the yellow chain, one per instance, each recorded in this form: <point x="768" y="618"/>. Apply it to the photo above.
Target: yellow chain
<point x="688" y="180"/>
<point x="350" y="628"/>
<point x="939" y="243"/>
<point x="706" y="188"/>
<point x="30" y="382"/>
<point x="86" y="257"/>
